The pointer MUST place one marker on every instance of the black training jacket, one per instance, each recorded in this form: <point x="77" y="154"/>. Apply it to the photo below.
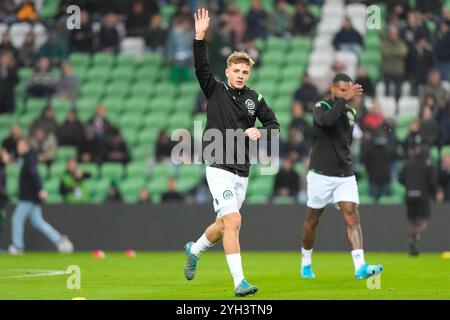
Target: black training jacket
<point x="229" y="109"/>
<point x="332" y="138"/>
<point x="30" y="183"/>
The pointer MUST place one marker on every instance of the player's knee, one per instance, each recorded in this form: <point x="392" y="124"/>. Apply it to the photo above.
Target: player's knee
<point x="352" y="216"/>
<point x="232" y="222"/>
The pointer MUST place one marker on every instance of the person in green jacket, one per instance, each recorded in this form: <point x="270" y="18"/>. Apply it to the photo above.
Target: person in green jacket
<point x="394" y="52"/>
<point x="72" y="187"/>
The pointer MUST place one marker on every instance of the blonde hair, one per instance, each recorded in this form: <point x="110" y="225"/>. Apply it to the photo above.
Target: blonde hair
<point x="240" y="57"/>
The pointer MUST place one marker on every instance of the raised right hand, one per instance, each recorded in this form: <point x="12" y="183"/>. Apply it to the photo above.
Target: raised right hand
<point x="201" y="23"/>
<point x="353" y="91"/>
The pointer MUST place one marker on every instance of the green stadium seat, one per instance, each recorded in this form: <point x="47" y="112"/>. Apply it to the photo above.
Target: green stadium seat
<point x="162" y="103"/>
<point x="66" y="152"/>
<point x="284" y="118"/>
<point x="180" y="121"/>
<point x="262" y="186"/>
<point x="26" y="120"/>
<point x="114" y="105"/>
<point x="87" y="103"/>
<point x="137" y="169"/>
<point x="147" y="74"/>
<point x="35" y="105"/>
<point x="143" y="89"/>
<point x="163" y="170"/>
<point x="287" y="88"/>
<point x="142" y="152"/>
<point x="301" y="169"/>
<point x="147" y="136"/>
<point x="112" y="171"/>
<point x="155" y="120"/>
<point x="189" y="89"/>
<point x="91" y="168"/>
<point x="152" y="59"/>
<point x="103" y="59"/>
<point x="131" y="119"/>
<point x="401" y="133"/>
<point x="25" y="74"/>
<point x="57" y="169"/>
<point x="80" y="59"/>
<point x="99" y="74"/>
<point x="257" y="199"/>
<point x="266" y="88"/>
<point x="130" y="189"/>
<point x="61" y="104"/>
<point x="130" y="136"/>
<point x="274" y="58"/>
<point x="157" y="185"/>
<point x="123" y="73"/>
<point x="191" y="171"/>
<point x="282" y="104"/>
<point x="138" y="104"/>
<point x="93" y="89"/>
<point x="434" y="154"/>
<point x="99" y="189"/>
<point x="301" y="44"/>
<point x="390" y="200"/>
<point x="165" y="90"/>
<point x="296" y="58"/>
<point x="404" y="121"/>
<point x="373" y="71"/>
<point x="185" y="104"/>
<point x="269" y="74"/>
<point x="52" y="186"/>
<point x="184" y="185"/>
<point x="371" y="57"/>
<point x="372" y="42"/>
<point x="125" y="60"/>
<point x="118" y="89"/>
<point x="445" y="150"/>
<point x="276" y="44"/>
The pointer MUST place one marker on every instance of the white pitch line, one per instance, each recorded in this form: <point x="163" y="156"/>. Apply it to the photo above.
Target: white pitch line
<point x="37" y="273"/>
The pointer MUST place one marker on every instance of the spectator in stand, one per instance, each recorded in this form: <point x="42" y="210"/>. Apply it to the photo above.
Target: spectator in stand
<point x="171" y="195"/>
<point x="307" y="94"/>
<point x="394" y="52"/>
<point x="113" y="193"/>
<point x="429" y="127"/>
<point x="413" y="29"/>
<point x="4" y="160"/>
<point x="70" y="133"/>
<point x="137" y="20"/>
<point x="430" y="8"/>
<point x="45" y="145"/>
<point x="257" y="21"/>
<point x="81" y="40"/>
<point x="420" y="61"/>
<point x="6" y="45"/>
<point x="156" y="34"/>
<point x="413" y="139"/>
<point x="26" y="12"/>
<point x="364" y="80"/>
<point x="144" y="195"/>
<point x="109" y="35"/>
<point x="102" y="127"/>
<point x="280" y="20"/>
<point x="434" y="88"/>
<point x="45" y="121"/>
<point x="442" y="49"/>
<point x="444" y="180"/>
<point x="444" y="126"/>
<point x="116" y="149"/>
<point x="374" y="119"/>
<point x="27" y="53"/>
<point x="287" y="181"/>
<point x="8" y="12"/>
<point x="300" y="123"/>
<point x="72" y="187"/>
<point x="89" y="150"/>
<point x="54" y="49"/>
<point x="348" y="38"/>
<point x="179" y="50"/>
<point x="42" y="84"/>
<point x="164" y="147"/>
<point x="325" y="85"/>
<point x="303" y="21"/>
<point x="8" y="81"/>
<point x="295" y="148"/>
<point x="10" y="142"/>
<point x="248" y="45"/>
<point x="235" y="21"/>
<point x="68" y="85"/>
<point x="377" y="155"/>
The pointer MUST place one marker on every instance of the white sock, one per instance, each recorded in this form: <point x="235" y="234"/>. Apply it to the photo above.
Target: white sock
<point x="201" y="245"/>
<point x="358" y="258"/>
<point x="306" y="257"/>
<point x="235" y="265"/>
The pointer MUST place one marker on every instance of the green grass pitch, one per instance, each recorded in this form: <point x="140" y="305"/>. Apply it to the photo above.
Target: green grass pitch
<point x="160" y="276"/>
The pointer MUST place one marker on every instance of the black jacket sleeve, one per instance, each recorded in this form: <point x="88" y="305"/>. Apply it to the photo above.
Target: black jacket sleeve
<point x="34" y="175"/>
<point x="327" y="117"/>
<point x="203" y="69"/>
<point x="267" y="117"/>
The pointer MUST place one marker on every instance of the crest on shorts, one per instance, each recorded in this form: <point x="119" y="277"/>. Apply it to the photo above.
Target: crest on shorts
<point x="227" y="194"/>
<point x="250" y="106"/>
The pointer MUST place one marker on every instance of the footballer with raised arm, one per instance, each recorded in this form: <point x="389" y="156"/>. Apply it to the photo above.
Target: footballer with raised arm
<point x="330" y="177"/>
<point x="232" y="105"/>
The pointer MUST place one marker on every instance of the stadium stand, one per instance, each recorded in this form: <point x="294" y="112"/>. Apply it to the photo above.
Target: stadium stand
<point x="140" y="99"/>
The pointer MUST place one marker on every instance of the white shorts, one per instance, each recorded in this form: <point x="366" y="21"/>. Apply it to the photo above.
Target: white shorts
<point x="228" y="190"/>
<point x="323" y="190"/>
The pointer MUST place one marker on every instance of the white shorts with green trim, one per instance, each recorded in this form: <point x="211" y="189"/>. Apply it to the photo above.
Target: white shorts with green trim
<point x="323" y="190"/>
<point x="228" y="190"/>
